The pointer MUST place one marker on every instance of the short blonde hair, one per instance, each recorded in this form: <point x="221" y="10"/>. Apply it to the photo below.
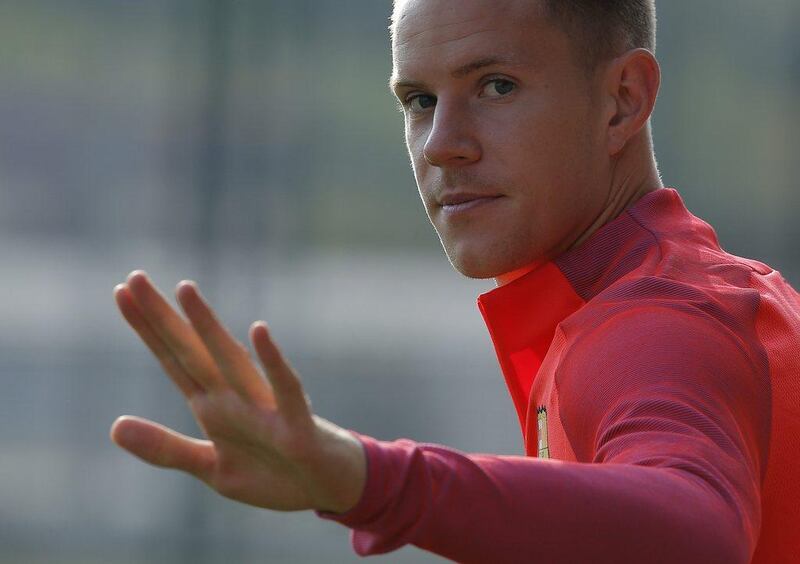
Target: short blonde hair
<point x="601" y="28"/>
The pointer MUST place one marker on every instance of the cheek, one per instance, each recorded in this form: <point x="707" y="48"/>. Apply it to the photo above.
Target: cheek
<point x="523" y="138"/>
<point x="411" y="145"/>
<point x="547" y="160"/>
<point x="552" y="151"/>
<point x="415" y="144"/>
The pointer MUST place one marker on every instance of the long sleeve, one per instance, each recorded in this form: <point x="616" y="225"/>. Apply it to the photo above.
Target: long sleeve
<point x="661" y="404"/>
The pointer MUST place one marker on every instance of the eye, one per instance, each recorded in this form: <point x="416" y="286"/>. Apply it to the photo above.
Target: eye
<point x="498" y="87"/>
<point x="420" y="102"/>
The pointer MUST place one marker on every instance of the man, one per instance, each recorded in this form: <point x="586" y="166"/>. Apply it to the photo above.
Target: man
<point x="658" y="370"/>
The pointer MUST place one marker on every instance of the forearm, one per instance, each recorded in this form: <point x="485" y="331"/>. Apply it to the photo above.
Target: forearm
<point x="480" y="508"/>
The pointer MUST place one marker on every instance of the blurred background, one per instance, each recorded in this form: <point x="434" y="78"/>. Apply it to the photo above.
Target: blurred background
<point x="253" y="146"/>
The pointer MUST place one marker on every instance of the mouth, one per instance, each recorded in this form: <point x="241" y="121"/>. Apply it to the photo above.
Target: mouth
<point x="460" y="203"/>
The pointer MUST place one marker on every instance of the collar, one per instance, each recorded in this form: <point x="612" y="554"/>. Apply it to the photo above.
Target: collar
<point x="522" y="316"/>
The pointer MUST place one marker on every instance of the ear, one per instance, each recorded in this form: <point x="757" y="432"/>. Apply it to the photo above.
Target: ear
<point x="631" y="85"/>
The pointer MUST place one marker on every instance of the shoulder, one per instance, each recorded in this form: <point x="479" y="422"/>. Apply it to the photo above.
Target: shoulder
<point x="664" y="311"/>
<point x="685" y="334"/>
<point x="656" y="359"/>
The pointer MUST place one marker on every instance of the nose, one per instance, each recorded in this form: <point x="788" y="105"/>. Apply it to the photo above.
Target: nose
<point x="452" y="139"/>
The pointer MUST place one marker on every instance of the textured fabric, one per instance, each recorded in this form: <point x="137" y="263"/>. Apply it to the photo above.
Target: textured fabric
<point x="658" y="374"/>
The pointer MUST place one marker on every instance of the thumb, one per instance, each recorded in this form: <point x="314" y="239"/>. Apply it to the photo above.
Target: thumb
<point x="163" y="447"/>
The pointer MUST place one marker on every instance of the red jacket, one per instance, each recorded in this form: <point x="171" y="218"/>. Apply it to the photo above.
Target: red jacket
<point x="656" y="381"/>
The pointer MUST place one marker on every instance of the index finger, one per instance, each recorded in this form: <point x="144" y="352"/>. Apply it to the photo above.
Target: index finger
<point x="174" y="331"/>
<point x="169" y="363"/>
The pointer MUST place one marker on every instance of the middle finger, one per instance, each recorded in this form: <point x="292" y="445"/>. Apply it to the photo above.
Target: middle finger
<point x="231" y="356"/>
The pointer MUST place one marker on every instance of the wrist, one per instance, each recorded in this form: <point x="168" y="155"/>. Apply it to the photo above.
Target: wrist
<point x="344" y="465"/>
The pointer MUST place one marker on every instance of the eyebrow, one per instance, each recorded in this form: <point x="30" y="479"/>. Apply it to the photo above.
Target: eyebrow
<point x="459" y="72"/>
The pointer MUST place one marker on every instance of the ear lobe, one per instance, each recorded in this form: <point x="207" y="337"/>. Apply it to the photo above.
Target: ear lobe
<point x="634" y="80"/>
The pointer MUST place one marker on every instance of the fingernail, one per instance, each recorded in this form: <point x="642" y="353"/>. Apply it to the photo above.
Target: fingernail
<point x="120" y="432"/>
<point x="190" y="284"/>
<point x="137" y="273"/>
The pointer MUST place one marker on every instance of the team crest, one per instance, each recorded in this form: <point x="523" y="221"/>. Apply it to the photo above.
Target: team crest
<point x="541" y="432"/>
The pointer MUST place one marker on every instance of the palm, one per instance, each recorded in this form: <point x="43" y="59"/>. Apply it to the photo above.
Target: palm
<point x="249" y="446"/>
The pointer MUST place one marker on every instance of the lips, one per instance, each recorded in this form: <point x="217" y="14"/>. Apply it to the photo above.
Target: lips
<point x="456" y="198"/>
<point x="458" y="204"/>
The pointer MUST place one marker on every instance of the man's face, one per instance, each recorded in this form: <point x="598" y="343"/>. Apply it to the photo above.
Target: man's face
<point x="498" y="112"/>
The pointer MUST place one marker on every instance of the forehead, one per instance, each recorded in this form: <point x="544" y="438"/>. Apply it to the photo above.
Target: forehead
<point x="450" y="32"/>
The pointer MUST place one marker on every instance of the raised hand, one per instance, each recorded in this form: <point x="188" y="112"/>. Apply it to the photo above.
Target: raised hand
<point x="264" y="447"/>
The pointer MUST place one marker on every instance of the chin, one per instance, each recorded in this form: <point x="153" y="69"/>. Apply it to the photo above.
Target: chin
<point x="489" y="262"/>
<point x="477" y="267"/>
